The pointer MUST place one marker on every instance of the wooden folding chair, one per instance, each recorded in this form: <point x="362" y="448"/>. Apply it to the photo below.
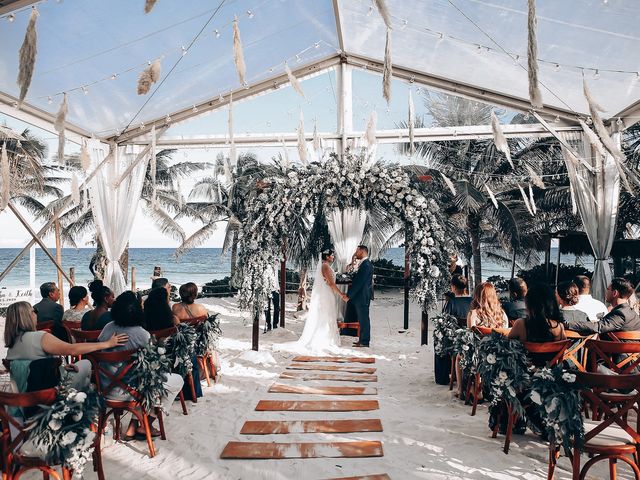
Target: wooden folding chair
<point x="44" y="326"/>
<point x="205" y="362"/>
<point x="576" y="354"/>
<point x="540" y="354"/>
<point x="632" y="336"/>
<point x="104" y="364"/>
<point x="163" y="335"/>
<point x="15" y="463"/>
<point x="611" y="438"/>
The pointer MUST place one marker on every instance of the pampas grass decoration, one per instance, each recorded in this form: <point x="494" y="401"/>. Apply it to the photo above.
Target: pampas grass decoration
<point x="526" y="199"/>
<point x="232" y="148"/>
<point x="148" y="77"/>
<point x="532" y="53"/>
<point x="381" y="5"/>
<point x="316" y="137"/>
<point x="302" y="143"/>
<point x="27" y="57"/>
<point x="412" y="145"/>
<point x="499" y="139"/>
<point x="285" y="156"/>
<point x="532" y="201"/>
<point x="85" y="159"/>
<point x="148" y="5"/>
<point x="387" y="69"/>
<point x="535" y="178"/>
<point x="238" y="55"/>
<point x="593" y="138"/>
<point x="574" y="206"/>
<point x="59" y="126"/>
<point x="75" y="190"/>
<point x="5" y="175"/>
<point x="447" y="181"/>
<point x="295" y="83"/>
<point x="370" y="133"/>
<point x="491" y="195"/>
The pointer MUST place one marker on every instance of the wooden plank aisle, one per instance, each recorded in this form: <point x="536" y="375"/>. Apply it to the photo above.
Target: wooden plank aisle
<point x="273" y="450"/>
<point x="259" y="427"/>
<point x="336" y="377"/>
<point x="331" y="368"/>
<point x="379" y="476"/>
<point x="328" y="390"/>
<point x="335" y="359"/>
<point x="317" y="405"/>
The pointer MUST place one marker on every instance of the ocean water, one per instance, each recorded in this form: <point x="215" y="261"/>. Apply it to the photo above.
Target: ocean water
<point x="199" y="265"/>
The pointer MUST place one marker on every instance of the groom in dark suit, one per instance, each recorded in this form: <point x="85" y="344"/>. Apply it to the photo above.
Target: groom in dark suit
<point x="359" y="294"/>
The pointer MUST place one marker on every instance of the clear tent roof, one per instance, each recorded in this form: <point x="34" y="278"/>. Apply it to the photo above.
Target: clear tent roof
<point x="476" y="42"/>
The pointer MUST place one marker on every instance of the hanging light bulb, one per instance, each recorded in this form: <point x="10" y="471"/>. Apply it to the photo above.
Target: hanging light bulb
<point x="516" y="60"/>
<point x="221" y="98"/>
<point x="298" y="58"/>
<point x="19" y="144"/>
<point x="11" y="18"/>
<point x="141" y="125"/>
<point x="404" y="24"/>
<point x="557" y="119"/>
<point x="114" y="76"/>
<point x="370" y="11"/>
<point x="184" y="50"/>
<point x="167" y="118"/>
<point x="216" y="32"/>
<point x="619" y="123"/>
<point x="194" y="109"/>
<point x="479" y="48"/>
<point x="440" y="37"/>
<point x="85" y="90"/>
<point x="249" y="14"/>
<point x="49" y="100"/>
<point x="596" y="74"/>
<point x="556" y="67"/>
<point x="316" y="45"/>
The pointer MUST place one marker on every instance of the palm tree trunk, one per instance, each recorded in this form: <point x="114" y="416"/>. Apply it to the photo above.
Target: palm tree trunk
<point x="124" y="263"/>
<point x="473" y="223"/>
<point x="234" y="252"/>
<point x="302" y="290"/>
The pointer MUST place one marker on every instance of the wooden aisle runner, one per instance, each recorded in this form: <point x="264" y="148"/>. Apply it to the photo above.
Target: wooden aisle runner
<point x="335" y="359"/>
<point x="336" y="377"/>
<point x="380" y="476"/>
<point x="332" y="368"/>
<point x="272" y="450"/>
<point x="317" y="405"/>
<point x="259" y="427"/>
<point x="329" y="390"/>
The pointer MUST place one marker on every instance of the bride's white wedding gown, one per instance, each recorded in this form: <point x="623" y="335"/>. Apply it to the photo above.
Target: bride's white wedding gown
<point x="320" y="332"/>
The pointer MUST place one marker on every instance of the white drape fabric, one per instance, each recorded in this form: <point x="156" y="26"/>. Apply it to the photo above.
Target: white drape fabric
<point x="114" y="209"/>
<point x="346" y="228"/>
<point x="596" y="196"/>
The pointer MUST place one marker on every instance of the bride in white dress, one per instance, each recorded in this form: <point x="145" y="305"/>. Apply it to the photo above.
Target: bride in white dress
<point x="320" y="332"/>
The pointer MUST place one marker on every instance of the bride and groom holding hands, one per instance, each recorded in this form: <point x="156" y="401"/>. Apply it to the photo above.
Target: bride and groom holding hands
<point x="321" y="327"/>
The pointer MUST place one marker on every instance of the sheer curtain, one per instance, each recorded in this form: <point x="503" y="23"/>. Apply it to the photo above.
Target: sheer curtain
<point x="346" y="228"/>
<point x="114" y="209"/>
<point x="596" y="197"/>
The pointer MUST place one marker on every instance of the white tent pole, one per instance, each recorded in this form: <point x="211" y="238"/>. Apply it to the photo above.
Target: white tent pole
<point x="345" y="104"/>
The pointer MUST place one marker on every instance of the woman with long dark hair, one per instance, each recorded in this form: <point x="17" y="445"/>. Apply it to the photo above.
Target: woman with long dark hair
<point x="103" y="298"/>
<point x="544" y="320"/>
<point x="157" y="311"/>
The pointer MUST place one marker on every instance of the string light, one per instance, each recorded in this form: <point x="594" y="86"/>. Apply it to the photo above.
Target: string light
<point x="516" y="60"/>
<point x="11" y="18"/>
<point x="404" y="24"/>
<point x="194" y="109"/>
<point x="249" y="14"/>
<point x="49" y="100"/>
<point x="85" y="90"/>
<point x="619" y="122"/>
<point x="141" y="125"/>
<point x="596" y="74"/>
<point x="370" y="11"/>
<point x="556" y="67"/>
<point x="184" y="50"/>
<point x="167" y="118"/>
<point x="216" y="32"/>
<point x="114" y="76"/>
<point x="220" y="98"/>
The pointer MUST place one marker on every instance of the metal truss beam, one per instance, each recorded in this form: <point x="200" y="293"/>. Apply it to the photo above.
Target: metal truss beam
<point x="8" y="6"/>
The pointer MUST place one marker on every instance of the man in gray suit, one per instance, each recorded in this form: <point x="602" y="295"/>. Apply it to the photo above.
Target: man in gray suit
<point x="48" y="309"/>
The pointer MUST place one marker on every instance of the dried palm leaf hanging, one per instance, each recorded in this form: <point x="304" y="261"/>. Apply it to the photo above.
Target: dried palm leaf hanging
<point x="238" y="55"/>
<point x="447" y="181"/>
<point x="491" y="195"/>
<point x="148" y="5"/>
<point x="85" y="159"/>
<point x="381" y="5"/>
<point x="148" y="77"/>
<point x="302" y="143"/>
<point x="412" y="145"/>
<point x="387" y="69"/>
<point x="153" y="168"/>
<point x="574" y="206"/>
<point x="59" y="126"/>
<point x="370" y="132"/>
<point x="295" y="83"/>
<point x="532" y="53"/>
<point x="5" y="175"/>
<point x="27" y="58"/>
<point x="526" y="199"/>
<point x="316" y="137"/>
<point x="75" y="190"/>
<point x="532" y="201"/>
<point x="499" y="139"/>
<point x="535" y="178"/>
<point x="593" y="138"/>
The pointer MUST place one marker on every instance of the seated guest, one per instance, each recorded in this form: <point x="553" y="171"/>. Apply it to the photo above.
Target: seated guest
<point x="543" y="321"/>
<point x="49" y="310"/>
<point x="79" y="301"/>
<point x="454" y="268"/>
<point x="486" y="310"/>
<point x="594" y="309"/>
<point x="459" y="303"/>
<point x="516" y="308"/>
<point x="567" y="297"/>
<point x="162" y="282"/>
<point x="157" y="311"/>
<point x="187" y="308"/>
<point x="103" y="298"/>
<point x="24" y="342"/>
<point x="128" y="319"/>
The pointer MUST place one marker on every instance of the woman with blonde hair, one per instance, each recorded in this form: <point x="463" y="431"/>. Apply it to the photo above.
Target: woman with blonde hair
<point x="24" y="342"/>
<point x="486" y="310"/>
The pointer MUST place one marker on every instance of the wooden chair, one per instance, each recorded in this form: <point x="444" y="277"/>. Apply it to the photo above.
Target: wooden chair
<point x="540" y="354"/>
<point x="14" y="463"/>
<point x="107" y="381"/>
<point x="44" y="326"/>
<point x="620" y="357"/>
<point x="576" y="354"/>
<point x="354" y="325"/>
<point x="611" y="438"/>
<point x="205" y="362"/>
<point x="632" y="336"/>
<point x="162" y="335"/>
<point x="82" y="336"/>
<point x="69" y="325"/>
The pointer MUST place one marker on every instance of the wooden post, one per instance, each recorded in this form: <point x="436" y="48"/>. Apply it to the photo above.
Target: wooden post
<point x="547" y="260"/>
<point x="255" y="335"/>
<point x="72" y="274"/>
<point x="133" y="279"/>
<point x="513" y="263"/>
<point x="424" y="328"/>
<point x="558" y="262"/>
<point x="406" y="286"/>
<point x="283" y="283"/>
<point x="59" y="260"/>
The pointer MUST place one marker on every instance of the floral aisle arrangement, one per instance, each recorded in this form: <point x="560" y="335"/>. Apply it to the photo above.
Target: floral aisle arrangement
<point x="465" y="344"/>
<point x="63" y="429"/>
<point x="444" y="334"/>
<point x="151" y="365"/>
<point x="181" y="346"/>
<point x="208" y="335"/>
<point x="504" y="369"/>
<point x="557" y="398"/>
<point x="349" y="181"/>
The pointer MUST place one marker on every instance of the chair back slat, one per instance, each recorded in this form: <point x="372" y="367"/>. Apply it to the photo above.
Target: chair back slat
<point x="82" y="336"/>
<point x="633" y="336"/>
<point x="546" y="353"/>
<point x="577" y="352"/>
<point x="194" y="321"/>
<point x="107" y="380"/>
<point x="164" y="333"/>
<point x="621" y="357"/>
<point x="484" y="331"/>
<point x="11" y="442"/>
<point x="45" y="326"/>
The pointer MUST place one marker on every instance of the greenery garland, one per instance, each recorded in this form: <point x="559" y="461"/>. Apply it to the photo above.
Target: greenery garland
<point x="181" y="346"/>
<point x="465" y="344"/>
<point x="557" y="398"/>
<point x="444" y="333"/>
<point x="151" y="366"/>
<point x="63" y="429"/>
<point x="503" y="367"/>
<point x="208" y="335"/>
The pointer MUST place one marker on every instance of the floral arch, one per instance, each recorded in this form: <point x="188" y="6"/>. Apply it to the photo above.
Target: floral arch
<point x="351" y="181"/>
